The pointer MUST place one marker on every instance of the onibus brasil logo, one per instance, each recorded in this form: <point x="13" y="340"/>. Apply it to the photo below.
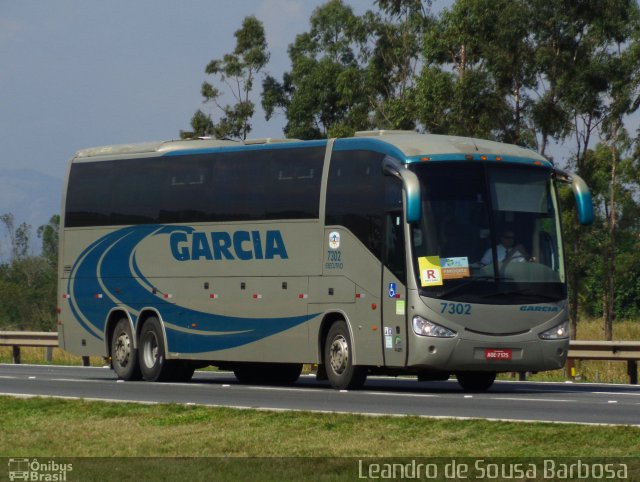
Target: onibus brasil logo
<point x="34" y="470"/>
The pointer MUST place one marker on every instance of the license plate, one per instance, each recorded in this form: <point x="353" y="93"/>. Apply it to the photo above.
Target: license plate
<point x="498" y="354"/>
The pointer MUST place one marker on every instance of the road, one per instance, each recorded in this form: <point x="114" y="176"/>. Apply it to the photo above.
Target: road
<point x="512" y="401"/>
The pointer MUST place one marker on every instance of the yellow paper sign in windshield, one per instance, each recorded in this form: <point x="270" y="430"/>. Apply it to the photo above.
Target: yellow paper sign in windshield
<point x="430" y="271"/>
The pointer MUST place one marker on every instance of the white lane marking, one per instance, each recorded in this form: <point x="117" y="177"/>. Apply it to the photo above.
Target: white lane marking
<point x="518" y="399"/>
<point x="632" y="394"/>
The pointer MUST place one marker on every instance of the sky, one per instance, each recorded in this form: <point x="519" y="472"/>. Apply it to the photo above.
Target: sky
<point x="85" y="73"/>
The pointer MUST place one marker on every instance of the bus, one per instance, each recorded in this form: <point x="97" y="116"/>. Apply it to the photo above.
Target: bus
<point x="383" y="253"/>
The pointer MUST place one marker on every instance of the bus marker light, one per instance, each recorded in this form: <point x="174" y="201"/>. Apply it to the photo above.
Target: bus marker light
<point x="213" y="296"/>
<point x="168" y="296"/>
<point x="98" y="296"/>
<point x="303" y="296"/>
<point x="374" y="306"/>
<point x="257" y="296"/>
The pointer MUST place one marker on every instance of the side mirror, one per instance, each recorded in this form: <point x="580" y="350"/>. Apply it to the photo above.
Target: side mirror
<point x="410" y="185"/>
<point x="582" y="194"/>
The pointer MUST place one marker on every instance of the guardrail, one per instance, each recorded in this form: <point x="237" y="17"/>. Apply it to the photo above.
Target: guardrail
<point x="45" y="339"/>
<point x="628" y="351"/>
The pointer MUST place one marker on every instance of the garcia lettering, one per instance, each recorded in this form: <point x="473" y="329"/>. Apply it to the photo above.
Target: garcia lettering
<point x="219" y="245"/>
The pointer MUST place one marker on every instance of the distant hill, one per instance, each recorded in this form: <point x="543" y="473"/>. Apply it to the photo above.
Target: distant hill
<point x="32" y="198"/>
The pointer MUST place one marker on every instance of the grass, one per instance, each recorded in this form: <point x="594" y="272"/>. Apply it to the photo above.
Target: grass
<point x="125" y="441"/>
<point x="258" y="445"/>
<point x="90" y="429"/>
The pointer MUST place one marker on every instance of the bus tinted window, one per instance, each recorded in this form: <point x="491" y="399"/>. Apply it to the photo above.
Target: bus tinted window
<point x="356" y="196"/>
<point x="89" y="194"/>
<point x="236" y="186"/>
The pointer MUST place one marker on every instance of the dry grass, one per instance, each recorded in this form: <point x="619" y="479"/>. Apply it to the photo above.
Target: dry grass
<point x="36" y="355"/>
<point x="593" y="370"/>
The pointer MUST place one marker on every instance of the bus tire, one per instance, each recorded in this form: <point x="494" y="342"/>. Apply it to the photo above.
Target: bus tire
<point x="152" y="353"/>
<point x="338" y="359"/>
<point x="476" y="381"/>
<point x="124" y="356"/>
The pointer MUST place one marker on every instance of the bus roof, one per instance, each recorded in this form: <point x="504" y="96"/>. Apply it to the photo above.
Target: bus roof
<point x="407" y="146"/>
<point x="414" y="147"/>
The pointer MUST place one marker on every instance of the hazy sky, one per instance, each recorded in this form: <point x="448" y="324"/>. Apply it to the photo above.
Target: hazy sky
<point x="83" y="73"/>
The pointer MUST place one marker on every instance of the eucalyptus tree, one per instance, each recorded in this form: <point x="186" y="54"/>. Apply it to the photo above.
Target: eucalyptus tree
<point x="396" y="31"/>
<point x="236" y="74"/>
<point x="478" y="71"/>
<point x="326" y="91"/>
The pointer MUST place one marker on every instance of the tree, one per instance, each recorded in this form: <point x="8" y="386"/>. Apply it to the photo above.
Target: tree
<point x="237" y="71"/>
<point x="27" y="282"/>
<point x="19" y="237"/>
<point x="326" y="92"/>
<point x="478" y="72"/>
<point x="395" y="57"/>
<point x="49" y="235"/>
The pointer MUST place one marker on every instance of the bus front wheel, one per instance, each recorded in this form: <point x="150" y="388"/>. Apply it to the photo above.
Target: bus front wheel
<point x="476" y="381"/>
<point x="124" y="357"/>
<point x="338" y="359"/>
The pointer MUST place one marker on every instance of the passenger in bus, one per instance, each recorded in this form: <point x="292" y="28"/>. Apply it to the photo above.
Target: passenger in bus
<point x="508" y="251"/>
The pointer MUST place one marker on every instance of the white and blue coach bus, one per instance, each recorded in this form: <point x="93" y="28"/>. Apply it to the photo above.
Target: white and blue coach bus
<point x="389" y="252"/>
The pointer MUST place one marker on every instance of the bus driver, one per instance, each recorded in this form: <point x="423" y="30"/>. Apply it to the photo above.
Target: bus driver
<point x="507" y="250"/>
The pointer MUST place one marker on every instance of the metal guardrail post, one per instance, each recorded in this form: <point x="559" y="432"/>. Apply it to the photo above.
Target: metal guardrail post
<point x="618" y="350"/>
<point x="16" y="355"/>
<point x="632" y="371"/>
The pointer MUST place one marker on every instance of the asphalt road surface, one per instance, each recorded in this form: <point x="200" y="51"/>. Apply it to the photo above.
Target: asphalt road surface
<point x="513" y="401"/>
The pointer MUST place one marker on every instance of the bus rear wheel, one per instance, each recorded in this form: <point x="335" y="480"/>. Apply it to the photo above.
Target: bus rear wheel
<point x="152" y="355"/>
<point x="476" y="381"/>
<point x="124" y="357"/>
<point x="338" y="359"/>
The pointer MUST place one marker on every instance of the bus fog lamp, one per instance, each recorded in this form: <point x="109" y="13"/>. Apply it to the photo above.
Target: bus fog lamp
<point x="557" y="332"/>
<point x="424" y="327"/>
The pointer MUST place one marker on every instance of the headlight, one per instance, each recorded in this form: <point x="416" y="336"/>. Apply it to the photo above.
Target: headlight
<point x="557" y="332"/>
<point x="428" y="328"/>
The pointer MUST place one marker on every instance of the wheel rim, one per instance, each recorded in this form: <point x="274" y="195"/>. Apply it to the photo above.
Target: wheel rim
<point x="150" y="350"/>
<point x="339" y="354"/>
<point x="122" y="350"/>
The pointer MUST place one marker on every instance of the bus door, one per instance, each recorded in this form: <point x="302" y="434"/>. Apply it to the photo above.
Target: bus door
<point x="394" y="292"/>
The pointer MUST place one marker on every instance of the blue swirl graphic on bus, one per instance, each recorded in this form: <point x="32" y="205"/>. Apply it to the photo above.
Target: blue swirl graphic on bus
<point x="107" y="275"/>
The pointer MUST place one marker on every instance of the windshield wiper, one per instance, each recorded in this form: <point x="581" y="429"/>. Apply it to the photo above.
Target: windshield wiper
<point x="468" y="282"/>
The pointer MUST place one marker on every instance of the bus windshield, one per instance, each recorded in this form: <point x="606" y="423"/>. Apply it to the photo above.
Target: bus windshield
<point x="489" y="233"/>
